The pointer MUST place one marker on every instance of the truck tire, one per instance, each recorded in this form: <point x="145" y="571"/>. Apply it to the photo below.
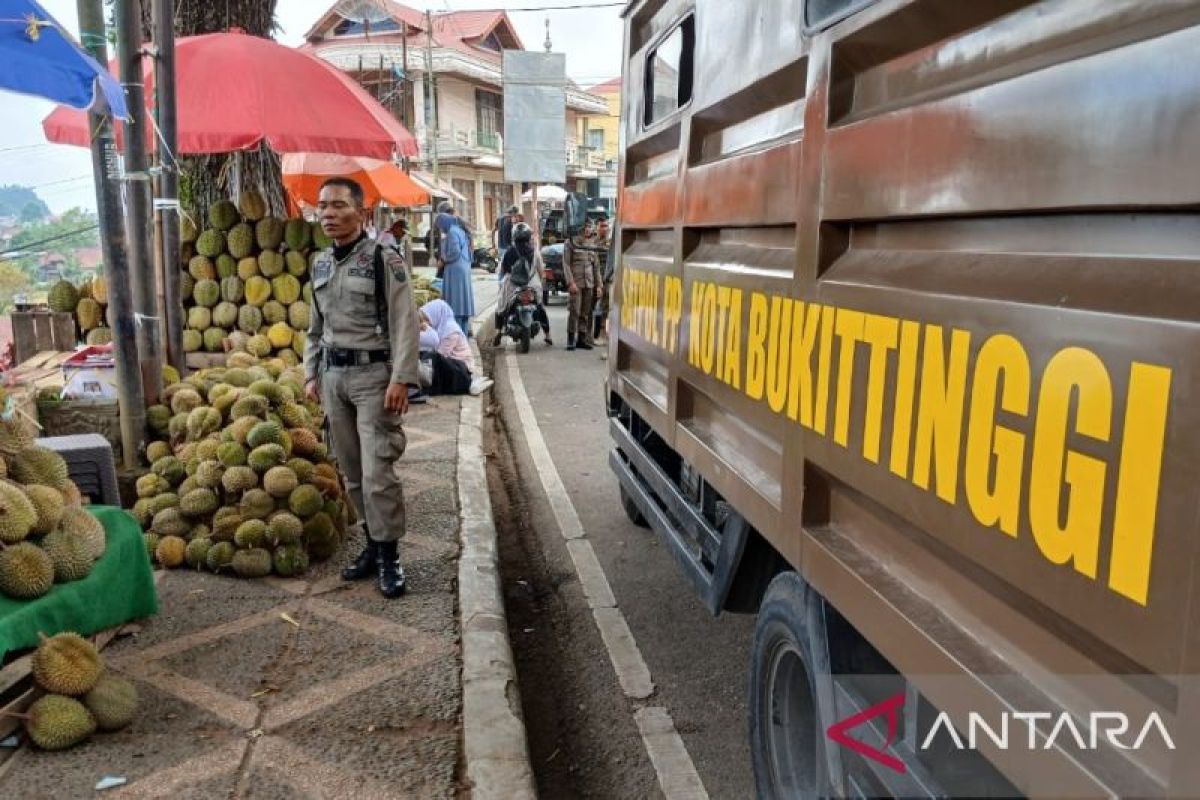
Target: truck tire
<point x="787" y="728"/>
<point x="632" y="511"/>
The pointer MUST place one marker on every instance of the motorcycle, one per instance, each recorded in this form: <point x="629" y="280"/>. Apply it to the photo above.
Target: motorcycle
<point x="484" y="258"/>
<point x="520" y="319"/>
<point x="554" y="275"/>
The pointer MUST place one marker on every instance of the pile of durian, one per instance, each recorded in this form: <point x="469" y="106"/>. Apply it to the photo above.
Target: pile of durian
<point x="82" y="696"/>
<point x="246" y="280"/>
<point x="89" y="303"/>
<point x="46" y="536"/>
<point x="240" y="481"/>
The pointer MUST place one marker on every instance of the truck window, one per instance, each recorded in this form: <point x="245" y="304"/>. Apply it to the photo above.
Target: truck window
<point x="669" y="73"/>
<point x="823" y="13"/>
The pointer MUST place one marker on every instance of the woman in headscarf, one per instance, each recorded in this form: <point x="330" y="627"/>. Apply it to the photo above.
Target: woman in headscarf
<point x="456" y="276"/>
<point x="449" y="352"/>
<point x="522" y="248"/>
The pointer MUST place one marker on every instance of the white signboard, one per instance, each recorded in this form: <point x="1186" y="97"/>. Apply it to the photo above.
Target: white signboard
<point x="535" y="111"/>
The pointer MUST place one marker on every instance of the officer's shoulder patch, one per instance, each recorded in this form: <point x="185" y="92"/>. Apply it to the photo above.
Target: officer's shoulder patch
<point x="395" y="263"/>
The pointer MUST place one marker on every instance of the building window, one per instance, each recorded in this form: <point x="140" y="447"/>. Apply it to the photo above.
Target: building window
<point x="467" y="209"/>
<point x="489" y="118"/>
<point x="349" y="27"/>
<point x="669" y="73"/>
<point x="492" y="42"/>
<point x="497" y="198"/>
<point x="822" y="13"/>
<point x="595" y="138"/>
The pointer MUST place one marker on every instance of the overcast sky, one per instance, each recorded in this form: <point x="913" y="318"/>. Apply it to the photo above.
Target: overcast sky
<point x="591" y="38"/>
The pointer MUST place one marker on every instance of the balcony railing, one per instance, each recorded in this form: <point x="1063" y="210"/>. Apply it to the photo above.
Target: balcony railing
<point x="583" y="157"/>
<point x="456" y="142"/>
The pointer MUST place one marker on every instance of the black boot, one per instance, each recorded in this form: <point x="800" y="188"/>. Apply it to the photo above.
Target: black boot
<point x="570" y="342"/>
<point x="391" y="574"/>
<point x="364" y="565"/>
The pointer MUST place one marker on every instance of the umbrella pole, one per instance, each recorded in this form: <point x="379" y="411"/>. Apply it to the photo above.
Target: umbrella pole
<point x="105" y="170"/>
<point x="129" y="51"/>
<point x="164" y="86"/>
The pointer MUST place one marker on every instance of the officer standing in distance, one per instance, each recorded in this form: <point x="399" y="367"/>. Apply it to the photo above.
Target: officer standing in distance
<point x="360" y="360"/>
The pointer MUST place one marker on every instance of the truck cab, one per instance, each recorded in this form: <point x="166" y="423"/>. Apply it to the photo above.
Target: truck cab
<point x="902" y="361"/>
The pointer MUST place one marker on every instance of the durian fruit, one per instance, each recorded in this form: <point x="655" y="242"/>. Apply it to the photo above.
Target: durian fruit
<point x="233" y="290"/>
<point x="88" y="314"/>
<point x="273" y="312"/>
<point x="170" y="468"/>
<point x="247" y="268"/>
<point x="39" y="465"/>
<point x="185" y="399"/>
<point x="226" y="266"/>
<point x="280" y="482"/>
<point x="15" y="436"/>
<point x="214" y="340"/>
<point x="259" y="346"/>
<point x="297" y="234"/>
<point x="207" y="293"/>
<point x="271" y="263"/>
<point x="113" y="702"/>
<point x="72" y="497"/>
<point x="239" y="479"/>
<point x="223" y="215"/>
<point x="17" y="514"/>
<point x="299" y="315"/>
<point x="170" y="551"/>
<point x="99" y="336"/>
<point x="57" y="723"/>
<point x="48" y="507"/>
<point x="289" y="560"/>
<point x="220" y="556"/>
<point x="240" y="240"/>
<point x="209" y="471"/>
<point x="225" y="315"/>
<point x="284" y="528"/>
<point x="264" y="433"/>
<point x="225" y="524"/>
<point x="280" y="335"/>
<point x="151" y="539"/>
<point x="196" y="552"/>
<point x="251" y="533"/>
<point x="192" y="340"/>
<point x="69" y="555"/>
<point x="252" y="563"/>
<point x="285" y="288"/>
<point x="231" y="454"/>
<point x="157" y="450"/>
<point x="63" y="296"/>
<point x="269" y="233"/>
<point x="320" y="538"/>
<point x="66" y="664"/>
<point x="305" y="501"/>
<point x="199" y="318"/>
<point x="263" y="457"/>
<point x="100" y="289"/>
<point x="202" y="421"/>
<point x="78" y="522"/>
<point x="252" y="205"/>
<point x="26" y="571"/>
<point x="296" y="263"/>
<point x="256" y="504"/>
<point x="319" y="239"/>
<point x="211" y="244"/>
<point x="199" y="503"/>
<point x="187" y="229"/>
<point x="200" y="268"/>
<point x="258" y="291"/>
<point x="170" y="522"/>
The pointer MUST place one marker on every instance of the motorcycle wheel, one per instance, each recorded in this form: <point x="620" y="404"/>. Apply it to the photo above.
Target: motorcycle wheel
<point x="523" y="341"/>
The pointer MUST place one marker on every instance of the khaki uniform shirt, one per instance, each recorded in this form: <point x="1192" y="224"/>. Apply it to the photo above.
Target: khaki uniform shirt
<point x="584" y="266"/>
<point x="344" y="311"/>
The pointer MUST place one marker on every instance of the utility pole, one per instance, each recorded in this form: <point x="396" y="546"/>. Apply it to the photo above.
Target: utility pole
<point x="149" y="340"/>
<point x="404" y="87"/>
<point x="105" y="173"/>
<point x="433" y="105"/>
<point x="164" y="88"/>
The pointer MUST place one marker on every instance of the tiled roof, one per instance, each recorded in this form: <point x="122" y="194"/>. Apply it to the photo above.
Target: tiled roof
<point x="608" y="87"/>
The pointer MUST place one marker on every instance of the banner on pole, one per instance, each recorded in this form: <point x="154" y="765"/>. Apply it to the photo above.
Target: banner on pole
<point x="535" y="108"/>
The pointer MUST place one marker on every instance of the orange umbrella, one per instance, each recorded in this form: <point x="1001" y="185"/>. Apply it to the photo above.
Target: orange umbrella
<point x="303" y="174"/>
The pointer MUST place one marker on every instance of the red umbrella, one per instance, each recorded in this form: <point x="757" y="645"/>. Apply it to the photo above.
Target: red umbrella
<point x="237" y="90"/>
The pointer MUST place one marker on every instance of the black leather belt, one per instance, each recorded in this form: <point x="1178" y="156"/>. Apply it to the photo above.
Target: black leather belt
<point x="339" y="357"/>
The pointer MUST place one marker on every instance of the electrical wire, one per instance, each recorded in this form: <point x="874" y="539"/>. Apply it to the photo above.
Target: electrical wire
<point x="531" y="9"/>
<point x="32" y="245"/>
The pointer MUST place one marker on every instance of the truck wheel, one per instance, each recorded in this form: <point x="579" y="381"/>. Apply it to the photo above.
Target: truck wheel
<point x="787" y="732"/>
<point x="632" y="511"/>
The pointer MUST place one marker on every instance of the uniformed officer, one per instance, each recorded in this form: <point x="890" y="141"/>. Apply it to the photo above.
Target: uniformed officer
<point x="584" y="283"/>
<point x="360" y="360"/>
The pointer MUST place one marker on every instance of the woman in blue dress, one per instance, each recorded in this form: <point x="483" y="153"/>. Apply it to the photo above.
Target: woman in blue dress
<point x="456" y="276"/>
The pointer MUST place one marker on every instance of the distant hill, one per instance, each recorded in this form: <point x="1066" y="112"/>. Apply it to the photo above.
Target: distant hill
<point x="23" y="203"/>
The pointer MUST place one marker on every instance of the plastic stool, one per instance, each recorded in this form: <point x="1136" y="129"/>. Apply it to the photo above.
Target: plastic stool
<point x="91" y="464"/>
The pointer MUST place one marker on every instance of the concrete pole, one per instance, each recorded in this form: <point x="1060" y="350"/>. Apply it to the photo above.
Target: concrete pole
<point x="149" y="340"/>
<point x="105" y="172"/>
<point x="164" y="87"/>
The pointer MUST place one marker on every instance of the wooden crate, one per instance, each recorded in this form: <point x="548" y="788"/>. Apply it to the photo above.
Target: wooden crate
<point x="39" y="331"/>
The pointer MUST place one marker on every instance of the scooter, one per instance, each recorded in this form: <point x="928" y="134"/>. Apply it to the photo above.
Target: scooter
<point x="520" y="319"/>
<point x="484" y="258"/>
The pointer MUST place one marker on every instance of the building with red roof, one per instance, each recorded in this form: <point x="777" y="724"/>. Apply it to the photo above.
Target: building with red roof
<point x="392" y="57"/>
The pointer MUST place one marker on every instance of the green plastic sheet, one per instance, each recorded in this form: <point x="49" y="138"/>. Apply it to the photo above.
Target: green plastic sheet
<point x="119" y="589"/>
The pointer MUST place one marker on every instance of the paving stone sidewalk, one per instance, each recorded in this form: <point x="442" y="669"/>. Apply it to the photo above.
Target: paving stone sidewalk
<point x="360" y="698"/>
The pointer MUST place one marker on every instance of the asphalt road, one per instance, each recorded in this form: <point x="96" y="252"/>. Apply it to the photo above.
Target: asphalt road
<point x="583" y="739"/>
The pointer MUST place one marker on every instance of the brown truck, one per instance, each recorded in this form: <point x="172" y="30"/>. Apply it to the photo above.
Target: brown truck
<point x="905" y="362"/>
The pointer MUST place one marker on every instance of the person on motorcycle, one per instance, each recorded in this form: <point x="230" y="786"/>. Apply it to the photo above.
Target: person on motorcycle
<point x="521" y="267"/>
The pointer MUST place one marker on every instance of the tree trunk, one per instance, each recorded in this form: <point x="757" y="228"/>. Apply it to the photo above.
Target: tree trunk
<point x="207" y="179"/>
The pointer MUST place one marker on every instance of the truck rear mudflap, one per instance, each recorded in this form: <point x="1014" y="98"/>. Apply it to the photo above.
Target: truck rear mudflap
<point x="708" y="555"/>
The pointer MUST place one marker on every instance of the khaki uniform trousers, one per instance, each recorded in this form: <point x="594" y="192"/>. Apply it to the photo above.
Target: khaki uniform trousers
<point x="367" y="441"/>
<point x="579" y="314"/>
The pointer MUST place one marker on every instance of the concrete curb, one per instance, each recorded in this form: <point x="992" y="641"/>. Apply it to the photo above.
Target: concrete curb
<point x="496" y="754"/>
